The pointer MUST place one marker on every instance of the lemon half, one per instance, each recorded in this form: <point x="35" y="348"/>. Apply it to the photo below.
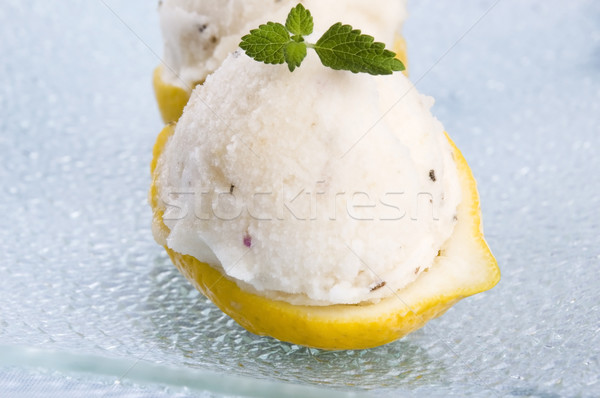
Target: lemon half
<point x="172" y="99"/>
<point x="464" y="267"/>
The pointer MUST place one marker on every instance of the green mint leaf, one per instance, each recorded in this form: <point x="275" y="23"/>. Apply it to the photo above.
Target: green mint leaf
<point x="345" y="48"/>
<point x="266" y="44"/>
<point x="294" y="53"/>
<point x="299" y="21"/>
<point x="341" y="47"/>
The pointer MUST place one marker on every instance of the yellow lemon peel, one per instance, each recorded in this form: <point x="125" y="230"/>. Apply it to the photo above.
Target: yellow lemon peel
<point x="464" y="267"/>
<point x="171" y="99"/>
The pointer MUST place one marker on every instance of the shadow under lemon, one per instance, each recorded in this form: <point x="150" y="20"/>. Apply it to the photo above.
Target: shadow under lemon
<point x="185" y="323"/>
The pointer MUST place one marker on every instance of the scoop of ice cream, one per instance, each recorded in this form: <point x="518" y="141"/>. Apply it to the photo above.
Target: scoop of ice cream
<point x="199" y="34"/>
<point x="313" y="187"/>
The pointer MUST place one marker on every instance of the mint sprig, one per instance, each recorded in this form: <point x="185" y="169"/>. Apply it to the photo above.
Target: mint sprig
<point x="341" y="47"/>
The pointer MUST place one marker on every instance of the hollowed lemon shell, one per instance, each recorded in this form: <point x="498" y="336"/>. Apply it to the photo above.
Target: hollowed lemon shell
<point x="465" y="267"/>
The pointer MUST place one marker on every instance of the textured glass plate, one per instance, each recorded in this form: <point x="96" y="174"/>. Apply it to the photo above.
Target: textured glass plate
<point x="87" y="298"/>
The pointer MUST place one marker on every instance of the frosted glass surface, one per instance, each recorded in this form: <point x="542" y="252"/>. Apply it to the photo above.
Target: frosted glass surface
<point x="87" y="298"/>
